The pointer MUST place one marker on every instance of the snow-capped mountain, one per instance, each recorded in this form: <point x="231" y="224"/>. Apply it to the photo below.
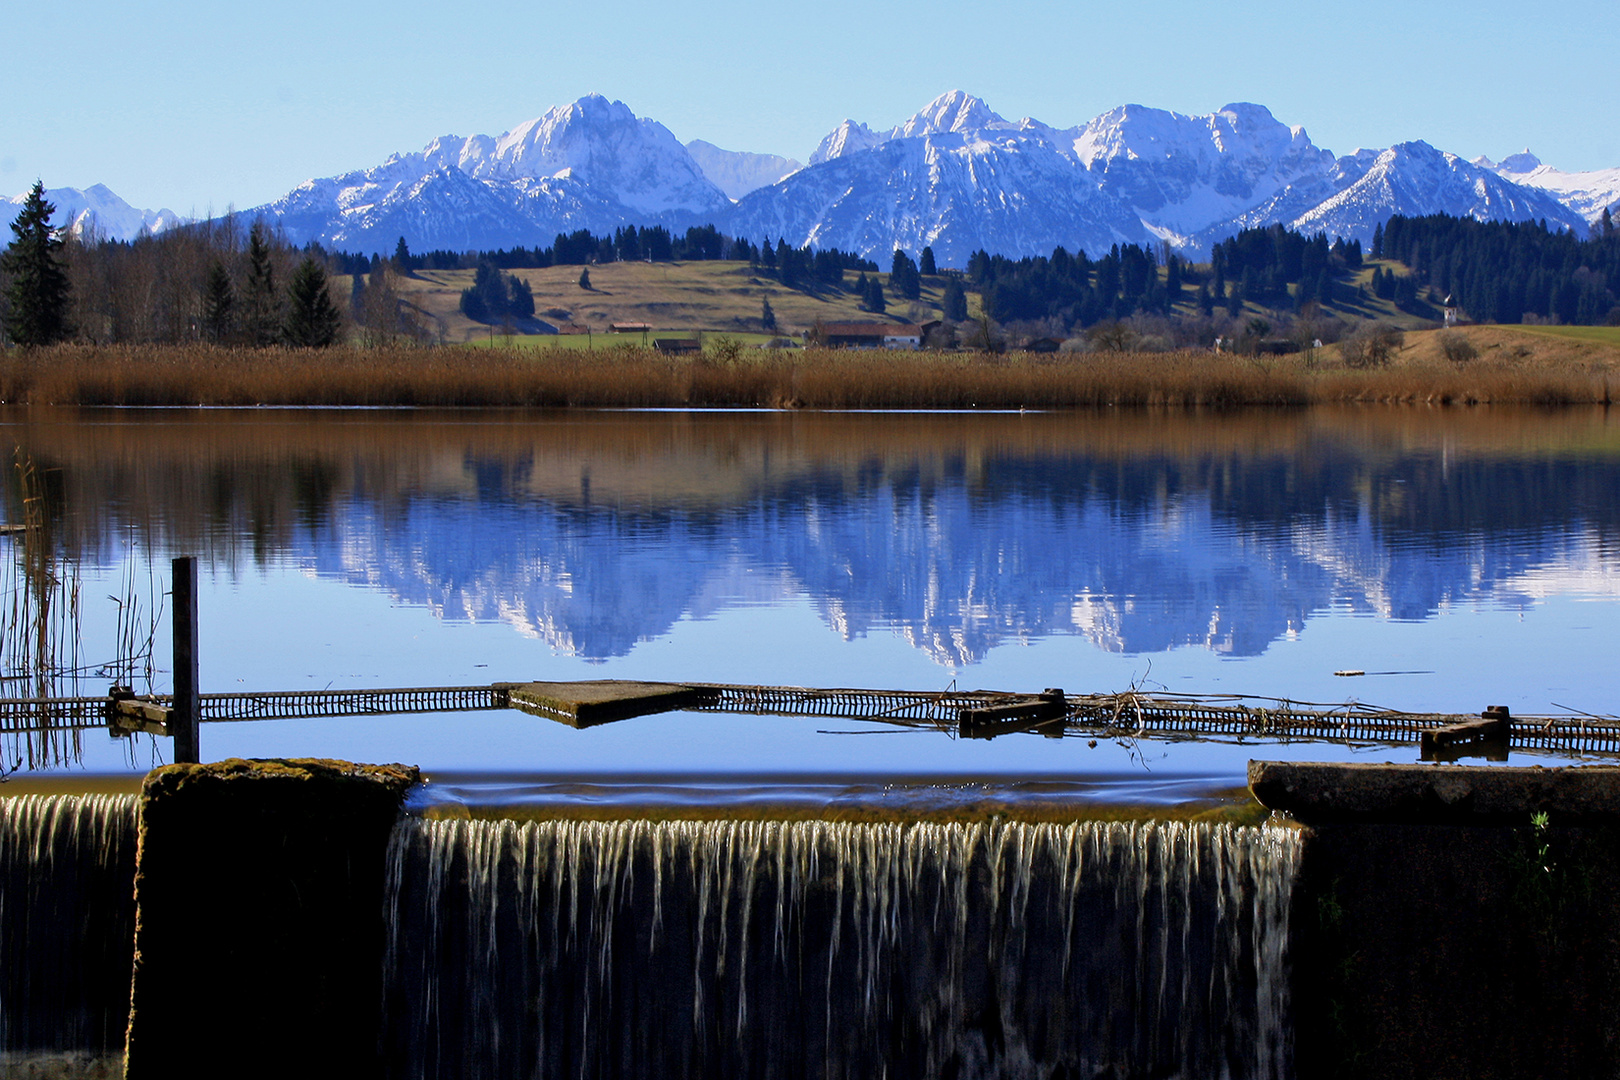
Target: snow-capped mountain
<point x="999" y="189"/>
<point x="955" y="176"/>
<point x="1586" y="193"/>
<point x="592" y="164"/>
<point x="1414" y="178"/>
<point x="96" y="211"/>
<point x="736" y="172"/>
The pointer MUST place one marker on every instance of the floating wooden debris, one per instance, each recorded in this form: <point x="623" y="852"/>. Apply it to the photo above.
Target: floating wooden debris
<point x="128" y="714"/>
<point x="1043" y="713"/>
<point x="1487" y="736"/>
<point x="603" y="701"/>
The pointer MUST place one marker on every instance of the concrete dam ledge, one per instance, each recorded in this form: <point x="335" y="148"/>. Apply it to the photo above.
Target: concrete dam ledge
<point x="1330" y="793"/>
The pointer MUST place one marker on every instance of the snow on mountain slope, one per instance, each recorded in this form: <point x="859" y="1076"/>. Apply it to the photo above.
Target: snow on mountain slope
<point x="1000" y="190"/>
<point x="737" y="173"/>
<point x="954" y="111"/>
<point x="637" y="159"/>
<point x="1414" y="178"/>
<point x="592" y="164"/>
<point x="1132" y="173"/>
<point x="1586" y="193"/>
<point x="96" y="210"/>
<point x="1184" y="174"/>
<point x="440" y="208"/>
<point x="847" y="138"/>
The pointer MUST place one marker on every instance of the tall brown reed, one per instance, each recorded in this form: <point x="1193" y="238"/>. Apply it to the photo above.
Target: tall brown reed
<point x="39" y="639"/>
<point x="812" y="378"/>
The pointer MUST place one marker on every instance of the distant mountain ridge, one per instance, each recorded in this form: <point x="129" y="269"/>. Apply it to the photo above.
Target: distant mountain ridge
<point x="955" y="176"/>
<point x="95" y="210"/>
<point x="1587" y="193"/>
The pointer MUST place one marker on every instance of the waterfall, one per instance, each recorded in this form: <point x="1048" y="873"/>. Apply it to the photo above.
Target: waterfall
<point x="837" y="949"/>
<point x="67" y="923"/>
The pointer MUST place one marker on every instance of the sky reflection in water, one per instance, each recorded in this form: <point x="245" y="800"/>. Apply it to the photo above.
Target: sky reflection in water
<point x="1255" y="553"/>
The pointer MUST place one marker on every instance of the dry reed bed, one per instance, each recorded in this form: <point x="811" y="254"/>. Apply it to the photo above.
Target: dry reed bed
<point x="815" y="379"/>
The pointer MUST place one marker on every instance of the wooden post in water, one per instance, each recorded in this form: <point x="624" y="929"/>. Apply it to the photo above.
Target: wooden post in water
<point x="183" y="720"/>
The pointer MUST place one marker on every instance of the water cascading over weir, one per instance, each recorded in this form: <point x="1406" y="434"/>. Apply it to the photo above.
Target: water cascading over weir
<point x="721" y="948"/>
<point x="67" y="928"/>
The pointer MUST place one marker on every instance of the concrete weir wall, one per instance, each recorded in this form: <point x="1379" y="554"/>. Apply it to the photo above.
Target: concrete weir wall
<point x="1453" y="922"/>
<point x="259" y="927"/>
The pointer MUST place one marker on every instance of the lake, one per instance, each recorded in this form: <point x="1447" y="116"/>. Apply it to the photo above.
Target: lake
<point x="1460" y="557"/>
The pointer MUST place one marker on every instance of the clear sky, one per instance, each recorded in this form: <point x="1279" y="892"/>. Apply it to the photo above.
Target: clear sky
<point x="196" y="105"/>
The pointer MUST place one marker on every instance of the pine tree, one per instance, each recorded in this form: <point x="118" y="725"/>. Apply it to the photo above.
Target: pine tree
<point x="312" y="319"/>
<point x="519" y="297"/>
<point x="357" y="298"/>
<point x="874" y="296"/>
<point x="925" y="264"/>
<point x="767" y="317"/>
<point x="261" y="317"/>
<point x="39" y="288"/>
<point x="219" y="303"/>
<point x="955" y="301"/>
<point x="585" y="277"/>
<point x="402" y="256"/>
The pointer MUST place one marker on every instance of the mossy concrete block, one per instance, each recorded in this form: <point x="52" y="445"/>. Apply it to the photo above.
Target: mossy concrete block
<point x="259" y="918"/>
<point x="1323" y="792"/>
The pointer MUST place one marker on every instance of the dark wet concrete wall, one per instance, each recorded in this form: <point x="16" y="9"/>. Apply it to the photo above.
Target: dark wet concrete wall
<point x="259" y="928"/>
<point x="1454" y="922"/>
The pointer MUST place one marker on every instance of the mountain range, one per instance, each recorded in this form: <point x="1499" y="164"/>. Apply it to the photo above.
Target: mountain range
<point x="956" y="176"/>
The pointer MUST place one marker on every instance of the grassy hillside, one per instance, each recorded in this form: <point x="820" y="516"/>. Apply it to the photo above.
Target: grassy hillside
<point x="722" y="297"/>
<point x="1575" y="349"/>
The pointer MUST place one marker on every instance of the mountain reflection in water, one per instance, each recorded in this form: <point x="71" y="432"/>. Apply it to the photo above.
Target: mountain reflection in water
<point x="1141" y="532"/>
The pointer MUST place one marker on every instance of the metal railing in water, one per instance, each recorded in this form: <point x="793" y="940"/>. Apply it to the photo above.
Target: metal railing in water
<point x="1124" y="715"/>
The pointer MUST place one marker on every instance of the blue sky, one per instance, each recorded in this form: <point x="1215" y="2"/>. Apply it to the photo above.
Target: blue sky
<point x="198" y="105"/>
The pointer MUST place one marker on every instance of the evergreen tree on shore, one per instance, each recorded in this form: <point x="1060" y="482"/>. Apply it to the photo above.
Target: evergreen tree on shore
<point x="313" y="320"/>
<point x="955" y="301"/>
<point x="218" y="303"/>
<point x="38" y="288"/>
<point x="262" y="306"/>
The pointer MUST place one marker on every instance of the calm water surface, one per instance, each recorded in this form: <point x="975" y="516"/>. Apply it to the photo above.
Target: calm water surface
<point x="1471" y="553"/>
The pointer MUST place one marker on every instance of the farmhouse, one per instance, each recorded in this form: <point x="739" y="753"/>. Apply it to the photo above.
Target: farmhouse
<point x="871" y="335"/>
